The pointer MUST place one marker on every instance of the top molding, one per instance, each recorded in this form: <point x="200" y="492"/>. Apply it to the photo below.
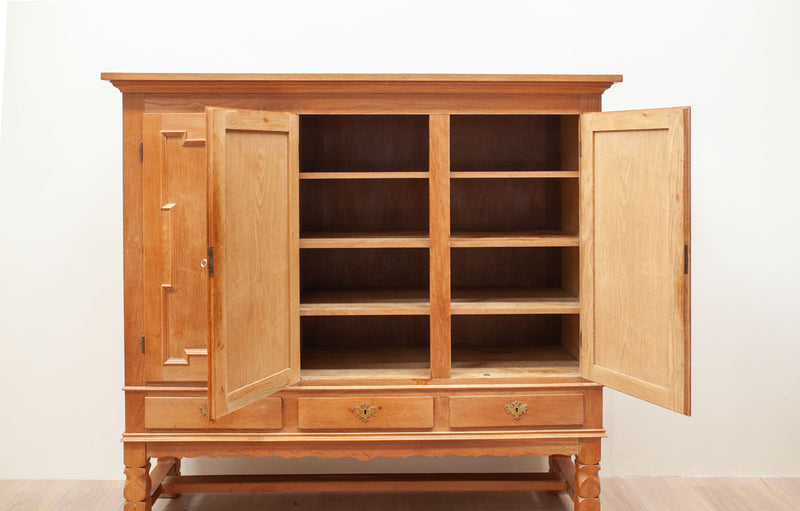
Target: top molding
<point x="359" y="83"/>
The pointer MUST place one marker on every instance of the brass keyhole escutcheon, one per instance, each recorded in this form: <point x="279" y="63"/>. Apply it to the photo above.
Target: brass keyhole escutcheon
<point x="364" y="411"/>
<point x="517" y="409"/>
<point x="204" y="411"/>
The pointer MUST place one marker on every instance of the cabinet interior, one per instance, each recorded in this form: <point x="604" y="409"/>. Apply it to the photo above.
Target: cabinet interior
<point x="365" y="266"/>
<point x="364" y="143"/>
<point x="513" y="143"/>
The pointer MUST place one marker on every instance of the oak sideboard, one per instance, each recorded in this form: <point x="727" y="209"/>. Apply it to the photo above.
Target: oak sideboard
<point x="395" y="265"/>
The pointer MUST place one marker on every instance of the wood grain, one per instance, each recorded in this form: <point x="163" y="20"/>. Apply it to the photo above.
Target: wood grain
<point x="544" y="409"/>
<point x="365" y="175"/>
<point x="513" y="174"/>
<point x="619" y="494"/>
<point x="133" y="257"/>
<point x="367" y="482"/>
<point x="460" y="239"/>
<point x="363" y="302"/>
<point x="514" y="301"/>
<point x="507" y="205"/>
<point x="365" y="239"/>
<point x="361" y="83"/>
<point x="440" y="139"/>
<point x="505" y="143"/>
<point x="254" y="238"/>
<point x="495" y="360"/>
<point x="175" y="243"/>
<point x="371" y="143"/>
<point x="634" y="229"/>
<point x="364" y="205"/>
<point x="192" y="413"/>
<point x="392" y="413"/>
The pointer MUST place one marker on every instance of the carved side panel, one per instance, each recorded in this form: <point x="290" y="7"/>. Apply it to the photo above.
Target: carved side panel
<point x="176" y="245"/>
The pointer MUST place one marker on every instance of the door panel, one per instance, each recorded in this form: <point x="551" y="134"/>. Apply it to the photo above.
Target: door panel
<point x="175" y="243"/>
<point x="635" y="253"/>
<point x="254" y="225"/>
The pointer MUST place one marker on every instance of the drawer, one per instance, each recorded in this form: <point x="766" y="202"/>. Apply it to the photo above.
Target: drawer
<point x="542" y="409"/>
<point x="365" y="412"/>
<point x="192" y="413"/>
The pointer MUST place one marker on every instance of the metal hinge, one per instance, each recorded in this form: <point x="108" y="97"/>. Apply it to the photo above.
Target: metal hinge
<point x="141" y="151"/>
<point x="143" y="344"/>
<point x="686" y="259"/>
<point x="580" y="150"/>
<point x="580" y="340"/>
<point x="210" y="261"/>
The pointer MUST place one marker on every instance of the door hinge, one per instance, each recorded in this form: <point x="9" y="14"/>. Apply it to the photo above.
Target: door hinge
<point x="580" y="150"/>
<point x="210" y="261"/>
<point x="141" y="151"/>
<point x="686" y="259"/>
<point x="142" y="344"/>
<point x="580" y="340"/>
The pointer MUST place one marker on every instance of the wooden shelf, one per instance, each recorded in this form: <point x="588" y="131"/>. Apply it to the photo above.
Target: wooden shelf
<point x="513" y="239"/>
<point x="365" y="302"/>
<point x="505" y="360"/>
<point x="364" y="175"/>
<point x="513" y="301"/>
<point x="514" y="174"/>
<point x="365" y="239"/>
<point x="491" y="360"/>
<point x="392" y="362"/>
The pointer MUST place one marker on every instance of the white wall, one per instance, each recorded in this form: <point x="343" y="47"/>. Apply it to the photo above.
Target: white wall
<point x="735" y="63"/>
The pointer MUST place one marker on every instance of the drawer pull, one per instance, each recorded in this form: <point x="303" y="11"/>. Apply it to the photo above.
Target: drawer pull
<point x="365" y="411"/>
<point x="517" y="409"/>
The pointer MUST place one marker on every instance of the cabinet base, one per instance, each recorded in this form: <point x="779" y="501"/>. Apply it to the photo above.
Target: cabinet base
<point x="143" y="487"/>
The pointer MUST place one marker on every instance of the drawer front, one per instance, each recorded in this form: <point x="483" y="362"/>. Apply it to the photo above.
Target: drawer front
<point x="365" y="412"/>
<point x="544" y="409"/>
<point x="192" y="413"/>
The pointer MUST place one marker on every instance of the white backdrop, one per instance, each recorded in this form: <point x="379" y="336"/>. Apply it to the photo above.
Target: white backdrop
<point x="736" y="63"/>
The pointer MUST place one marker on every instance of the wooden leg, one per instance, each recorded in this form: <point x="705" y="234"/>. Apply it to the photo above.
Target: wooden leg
<point x="563" y="467"/>
<point x="137" y="478"/>
<point x="174" y="471"/>
<point x="587" y="480"/>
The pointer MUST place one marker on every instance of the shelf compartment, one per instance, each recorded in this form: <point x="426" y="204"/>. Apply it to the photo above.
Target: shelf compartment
<point x="365" y="175"/>
<point x="364" y="281"/>
<point x="514" y="268"/>
<point x="371" y="143"/>
<point x="505" y="174"/>
<point x="513" y="205"/>
<point x="513" y="143"/>
<point x="365" y="302"/>
<point x="365" y="205"/>
<point x="365" y="239"/>
<point x="513" y="239"/>
<point x="514" y="362"/>
<point x="376" y="345"/>
<point x="513" y="301"/>
<point x="515" y="280"/>
<point x="515" y="346"/>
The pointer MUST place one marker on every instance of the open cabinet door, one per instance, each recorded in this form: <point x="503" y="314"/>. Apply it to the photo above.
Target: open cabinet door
<point x="253" y="213"/>
<point x="635" y="254"/>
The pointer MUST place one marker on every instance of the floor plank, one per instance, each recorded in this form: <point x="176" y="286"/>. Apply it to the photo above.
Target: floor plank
<point x="618" y="494"/>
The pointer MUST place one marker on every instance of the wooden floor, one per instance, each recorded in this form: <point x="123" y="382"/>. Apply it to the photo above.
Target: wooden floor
<point x="619" y="494"/>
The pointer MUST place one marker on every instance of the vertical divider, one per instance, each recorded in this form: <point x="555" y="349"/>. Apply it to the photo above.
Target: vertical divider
<point x="439" y="210"/>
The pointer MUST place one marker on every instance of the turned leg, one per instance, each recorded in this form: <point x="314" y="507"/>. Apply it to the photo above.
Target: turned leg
<point x="587" y="480"/>
<point x="137" y="478"/>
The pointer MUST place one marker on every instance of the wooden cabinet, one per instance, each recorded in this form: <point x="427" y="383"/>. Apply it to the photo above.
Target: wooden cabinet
<point x="395" y="265"/>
